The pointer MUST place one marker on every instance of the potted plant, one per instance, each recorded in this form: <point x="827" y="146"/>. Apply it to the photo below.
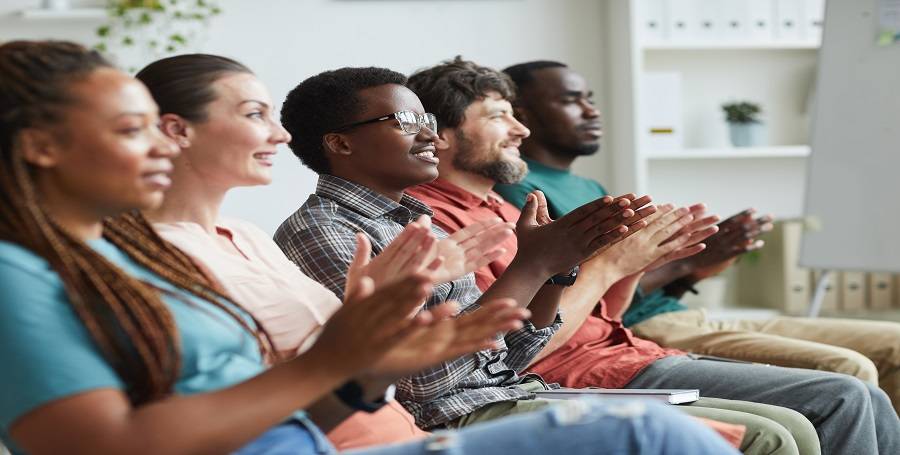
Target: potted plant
<point x="744" y="126"/>
<point x="141" y="31"/>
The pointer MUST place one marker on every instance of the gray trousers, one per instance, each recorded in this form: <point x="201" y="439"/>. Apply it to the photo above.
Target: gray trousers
<point x="850" y="416"/>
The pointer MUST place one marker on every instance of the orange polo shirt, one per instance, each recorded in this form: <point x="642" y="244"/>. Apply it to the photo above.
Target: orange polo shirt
<point x="602" y="353"/>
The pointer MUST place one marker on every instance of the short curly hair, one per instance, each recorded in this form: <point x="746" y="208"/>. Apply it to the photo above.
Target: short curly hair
<point x="446" y="90"/>
<point x="522" y="74"/>
<point x="325" y="102"/>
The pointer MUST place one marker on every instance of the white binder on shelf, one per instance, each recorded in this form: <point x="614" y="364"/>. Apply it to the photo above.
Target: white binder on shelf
<point x="709" y="24"/>
<point x="682" y="25"/>
<point x="789" y="25"/>
<point x="652" y="22"/>
<point x="661" y="111"/>
<point x="813" y="20"/>
<point x="760" y="21"/>
<point x="731" y="21"/>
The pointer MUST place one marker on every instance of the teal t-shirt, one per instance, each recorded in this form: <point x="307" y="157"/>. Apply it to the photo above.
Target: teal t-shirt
<point x="47" y="354"/>
<point x="565" y="192"/>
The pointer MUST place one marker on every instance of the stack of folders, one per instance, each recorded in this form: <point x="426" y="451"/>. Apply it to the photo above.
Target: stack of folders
<point x="671" y="396"/>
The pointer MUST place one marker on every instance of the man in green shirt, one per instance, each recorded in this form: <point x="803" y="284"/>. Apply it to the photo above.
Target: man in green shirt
<point x="555" y="103"/>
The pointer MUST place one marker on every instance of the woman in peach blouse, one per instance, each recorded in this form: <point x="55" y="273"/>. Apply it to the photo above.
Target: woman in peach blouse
<point x="222" y="118"/>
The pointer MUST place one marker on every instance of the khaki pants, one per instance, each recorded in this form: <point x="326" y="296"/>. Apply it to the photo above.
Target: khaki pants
<point x="869" y="350"/>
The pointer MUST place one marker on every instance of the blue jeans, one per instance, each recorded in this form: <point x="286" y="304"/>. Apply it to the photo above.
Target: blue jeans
<point x="574" y="427"/>
<point x="850" y="416"/>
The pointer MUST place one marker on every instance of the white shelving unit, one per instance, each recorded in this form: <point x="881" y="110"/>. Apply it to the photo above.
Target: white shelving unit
<point x="724" y="50"/>
<point x="63" y="14"/>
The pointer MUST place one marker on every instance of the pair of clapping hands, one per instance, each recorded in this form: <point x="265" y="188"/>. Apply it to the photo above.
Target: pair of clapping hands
<point x="627" y="231"/>
<point x="648" y="237"/>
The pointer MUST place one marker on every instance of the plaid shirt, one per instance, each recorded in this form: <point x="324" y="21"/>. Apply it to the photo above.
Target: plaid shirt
<point x="320" y="238"/>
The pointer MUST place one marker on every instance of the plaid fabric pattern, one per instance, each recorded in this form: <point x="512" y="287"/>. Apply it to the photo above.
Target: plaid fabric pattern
<point x="320" y="238"/>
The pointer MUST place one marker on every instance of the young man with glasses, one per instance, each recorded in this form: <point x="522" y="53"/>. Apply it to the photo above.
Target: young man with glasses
<point x="369" y="139"/>
<point x="476" y="154"/>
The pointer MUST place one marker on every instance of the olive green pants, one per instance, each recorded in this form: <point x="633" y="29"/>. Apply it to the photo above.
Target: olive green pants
<point x="770" y="429"/>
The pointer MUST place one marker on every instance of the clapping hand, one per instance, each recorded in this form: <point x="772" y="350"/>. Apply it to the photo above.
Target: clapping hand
<point x="468" y="249"/>
<point x="669" y="234"/>
<point x="737" y="235"/>
<point x="445" y="337"/>
<point x="564" y="243"/>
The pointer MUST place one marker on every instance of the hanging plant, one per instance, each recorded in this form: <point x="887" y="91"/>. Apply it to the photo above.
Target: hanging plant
<point x="141" y="31"/>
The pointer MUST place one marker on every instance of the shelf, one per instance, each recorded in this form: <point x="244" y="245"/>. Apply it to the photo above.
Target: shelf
<point x="64" y="14"/>
<point x="712" y="46"/>
<point x="780" y="151"/>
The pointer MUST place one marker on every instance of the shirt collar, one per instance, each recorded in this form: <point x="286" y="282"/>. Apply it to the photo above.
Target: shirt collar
<point x="367" y="202"/>
<point x="462" y="197"/>
<point x="537" y="165"/>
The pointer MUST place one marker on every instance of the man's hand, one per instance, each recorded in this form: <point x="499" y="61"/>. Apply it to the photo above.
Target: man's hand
<point x="409" y="253"/>
<point x="670" y="234"/>
<point x="559" y="245"/>
<point x="468" y="249"/>
<point x="737" y="235"/>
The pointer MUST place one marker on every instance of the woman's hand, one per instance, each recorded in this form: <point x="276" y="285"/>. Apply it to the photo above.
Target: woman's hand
<point x="372" y="321"/>
<point x="445" y="337"/>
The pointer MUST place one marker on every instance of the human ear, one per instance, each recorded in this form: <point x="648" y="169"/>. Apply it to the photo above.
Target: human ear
<point x="39" y="147"/>
<point x="177" y="129"/>
<point x="337" y="143"/>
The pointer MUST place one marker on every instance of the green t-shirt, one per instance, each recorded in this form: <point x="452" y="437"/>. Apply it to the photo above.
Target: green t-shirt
<point x="565" y="192"/>
<point x="47" y="353"/>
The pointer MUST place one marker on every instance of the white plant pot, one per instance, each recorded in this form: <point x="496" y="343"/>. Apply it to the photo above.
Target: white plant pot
<point x="752" y="134"/>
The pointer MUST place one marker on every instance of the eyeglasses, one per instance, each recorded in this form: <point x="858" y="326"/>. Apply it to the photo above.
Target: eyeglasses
<point x="410" y="122"/>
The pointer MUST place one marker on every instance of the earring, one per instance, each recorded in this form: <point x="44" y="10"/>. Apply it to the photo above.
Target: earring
<point x="183" y="143"/>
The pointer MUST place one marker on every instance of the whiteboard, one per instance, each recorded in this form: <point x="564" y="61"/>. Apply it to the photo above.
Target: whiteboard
<point x="853" y="178"/>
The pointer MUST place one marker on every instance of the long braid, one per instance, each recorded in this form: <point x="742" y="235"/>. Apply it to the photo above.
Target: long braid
<point x="135" y="235"/>
<point x="125" y="317"/>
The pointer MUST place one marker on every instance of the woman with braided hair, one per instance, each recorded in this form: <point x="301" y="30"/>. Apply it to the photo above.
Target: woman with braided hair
<point x="113" y="341"/>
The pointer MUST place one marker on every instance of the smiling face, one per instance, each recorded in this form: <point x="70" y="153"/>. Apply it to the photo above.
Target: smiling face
<point x="235" y="144"/>
<point x="380" y="155"/>
<point x="559" y="109"/>
<point x="487" y="142"/>
<point x="107" y="155"/>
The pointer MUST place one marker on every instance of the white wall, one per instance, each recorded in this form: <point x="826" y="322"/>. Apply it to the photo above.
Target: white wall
<point x="285" y="41"/>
